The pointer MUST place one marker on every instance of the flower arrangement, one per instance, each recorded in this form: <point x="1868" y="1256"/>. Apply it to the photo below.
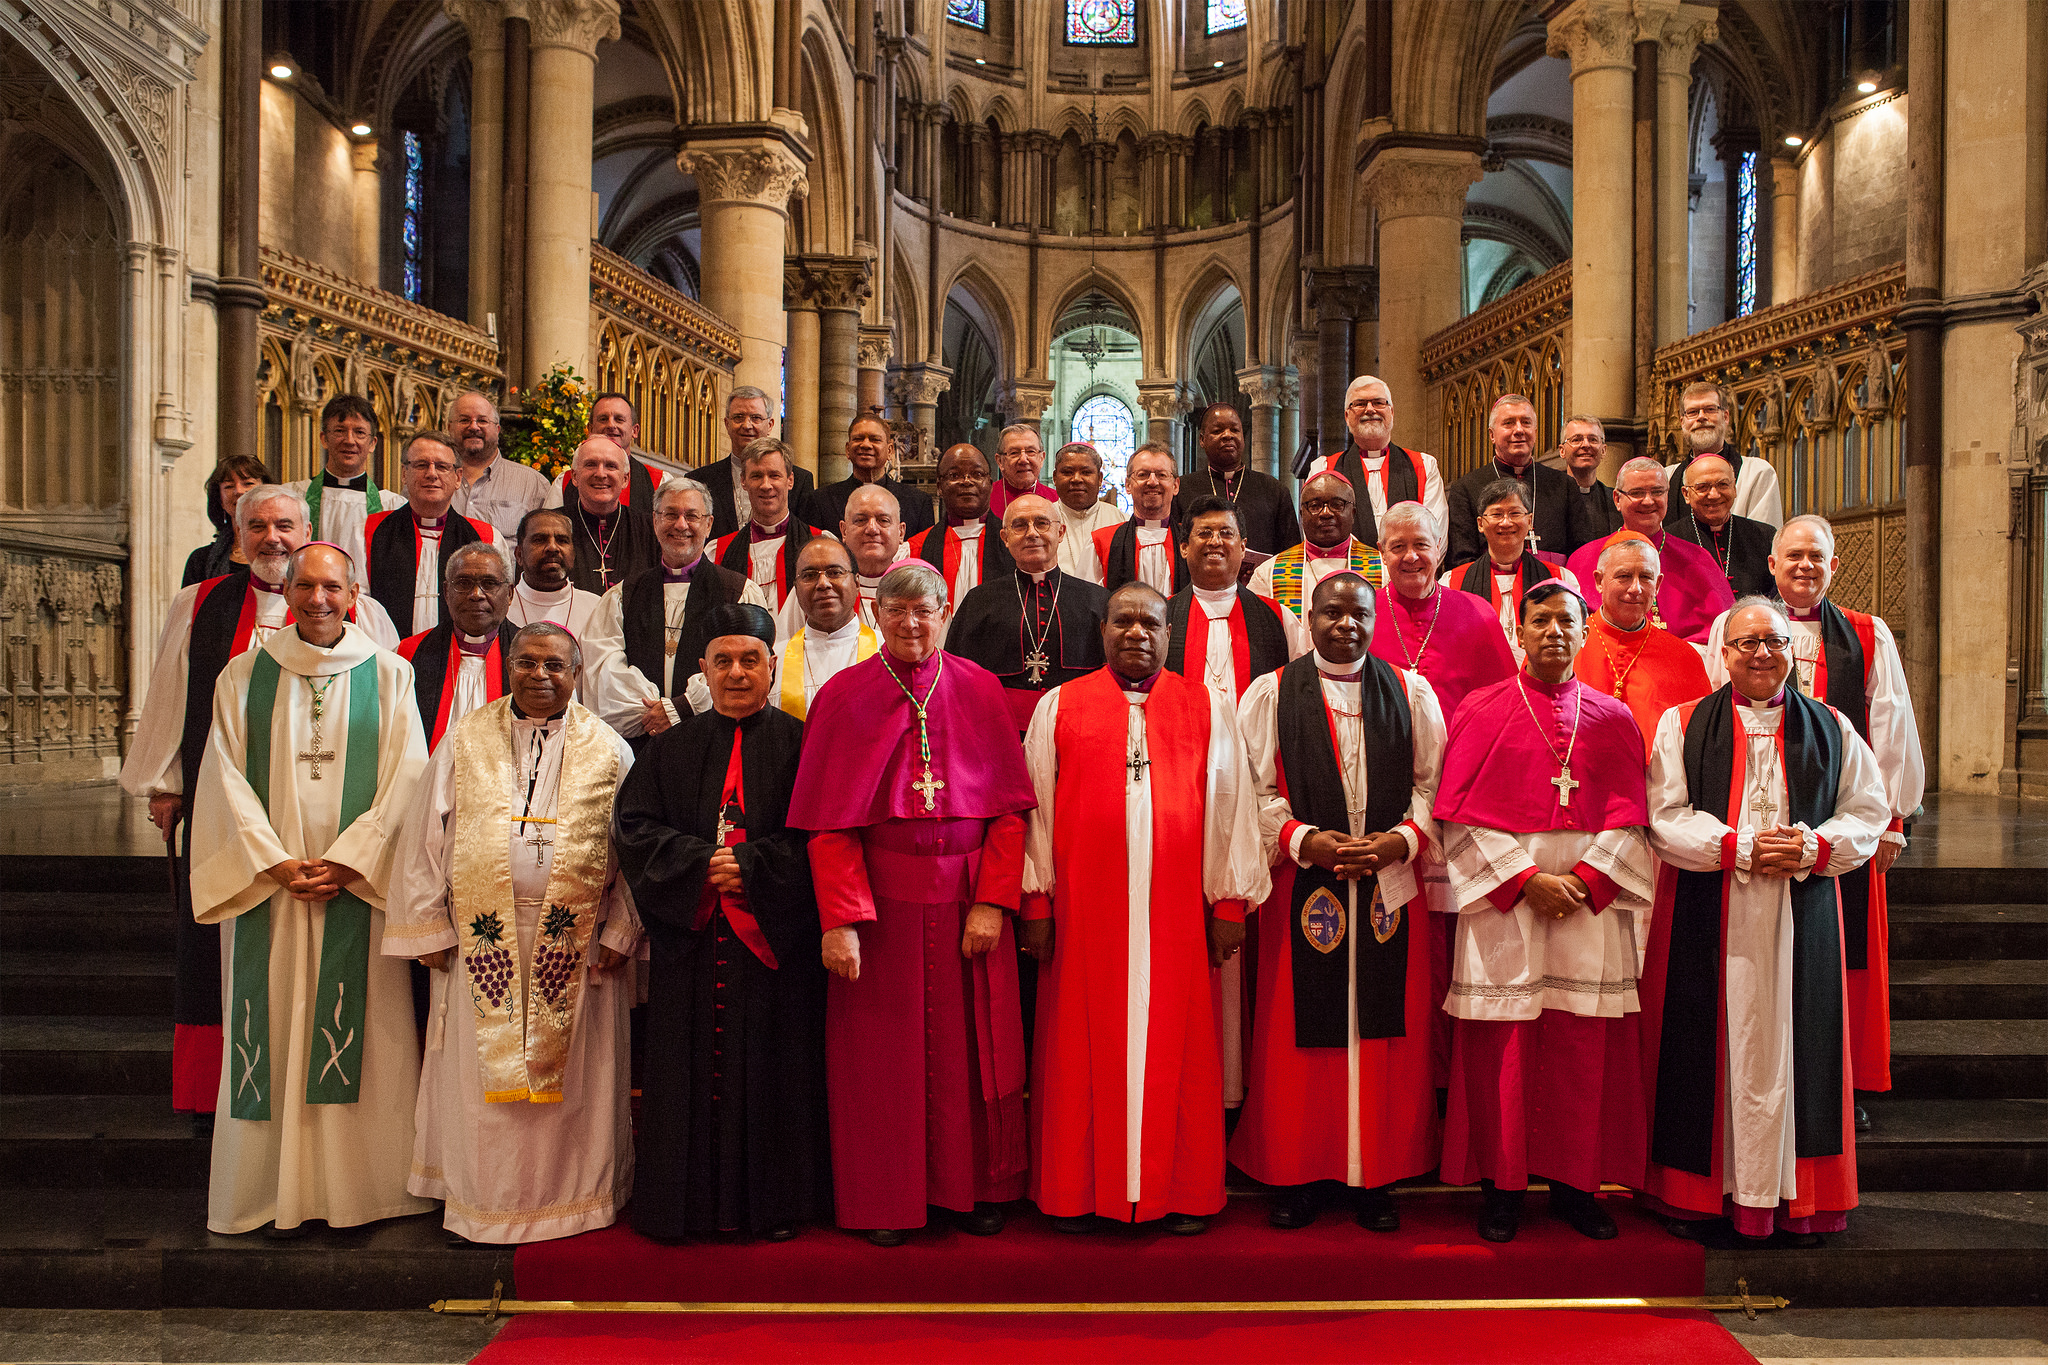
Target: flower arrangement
<point x="554" y="414"/>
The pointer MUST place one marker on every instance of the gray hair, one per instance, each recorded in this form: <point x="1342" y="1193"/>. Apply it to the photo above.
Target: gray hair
<point x="497" y="551"/>
<point x="1519" y="400"/>
<point x="744" y="391"/>
<point x="291" y="564"/>
<point x="548" y="630"/>
<point x="1414" y="516"/>
<point x="1362" y="381"/>
<point x="1824" y="527"/>
<point x="1025" y="427"/>
<point x="1641" y="464"/>
<point x="760" y="448"/>
<point x="912" y="581"/>
<point x="1743" y="604"/>
<point x="1634" y="545"/>
<point x="675" y="485"/>
<point x="873" y="492"/>
<point x="269" y="492"/>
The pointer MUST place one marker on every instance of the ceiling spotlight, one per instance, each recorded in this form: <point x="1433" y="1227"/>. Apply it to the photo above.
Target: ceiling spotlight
<point x="281" y="71"/>
<point x="361" y="130"/>
<point x="1216" y="64"/>
<point x="1794" y="140"/>
<point x="981" y="61"/>
<point x="1867" y="87"/>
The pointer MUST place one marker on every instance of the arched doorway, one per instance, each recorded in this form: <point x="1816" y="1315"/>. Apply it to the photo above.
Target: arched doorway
<point x="1095" y="363"/>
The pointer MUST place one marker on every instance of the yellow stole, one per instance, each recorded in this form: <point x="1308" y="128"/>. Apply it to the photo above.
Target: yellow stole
<point x="525" y="1017"/>
<point x="792" y="699"/>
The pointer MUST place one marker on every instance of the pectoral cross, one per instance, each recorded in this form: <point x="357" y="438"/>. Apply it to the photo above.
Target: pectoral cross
<point x="316" y="757"/>
<point x="726" y="824"/>
<point x="1765" y="807"/>
<point x="1565" y="785"/>
<point x="540" y="844"/>
<point x="1534" y="541"/>
<point x="1035" y="665"/>
<point x="929" y="786"/>
<point x="1137" y="763"/>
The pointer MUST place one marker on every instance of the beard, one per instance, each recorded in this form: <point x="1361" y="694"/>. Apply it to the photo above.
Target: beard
<point x="1708" y="439"/>
<point x="269" y="568"/>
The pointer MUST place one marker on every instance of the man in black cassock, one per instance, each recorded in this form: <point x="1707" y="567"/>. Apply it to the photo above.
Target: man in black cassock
<point x="1037" y="627"/>
<point x="732" y="1118"/>
<point x="1264" y="508"/>
<point x="614" y="539"/>
<point x="869" y="444"/>
<point x="1740" y="545"/>
<point x="1561" y="524"/>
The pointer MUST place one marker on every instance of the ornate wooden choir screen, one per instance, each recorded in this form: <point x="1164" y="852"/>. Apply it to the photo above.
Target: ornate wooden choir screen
<point x="1818" y="389"/>
<point x="667" y="353"/>
<point x="1520" y="343"/>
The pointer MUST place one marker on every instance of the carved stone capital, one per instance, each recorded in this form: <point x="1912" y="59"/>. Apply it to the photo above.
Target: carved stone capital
<point x="1421" y="182"/>
<point x="1679" y="30"/>
<point x="836" y="283"/>
<point x="1594" y="34"/>
<point x="797" y="295"/>
<point x="1301" y="354"/>
<point x="754" y="171"/>
<point x="1349" y="292"/>
<point x="921" y="385"/>
<point x="482" y="20"/>
<point x="874" y="347"/>
<point x="579" y="25"/>
<point x="1262" y="385"/>
<point x="1164" y="400"/>
<point x="1026" y="400"/>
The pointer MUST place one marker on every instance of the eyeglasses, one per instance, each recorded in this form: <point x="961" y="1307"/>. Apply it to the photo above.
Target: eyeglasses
<point x="1770" y="644"/>
<point x="1717" y="486"/>
<point x="831" y="573"/>
<point x="894" y="611"/>
<point x="1325" y="506"/>
<point x="1369" y="405"/>
<point x="1658" y="494"/>
<point x="694" y="518"/>
<point x="467" y="585"/>
<point x="1710" y="410"/>
<point x="1504" y="518"/>
<point x="554" y="668"/>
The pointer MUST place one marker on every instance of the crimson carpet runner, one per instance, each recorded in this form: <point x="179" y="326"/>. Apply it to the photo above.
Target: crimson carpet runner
<point x="1242" y="1259"/>
<point x="1474" y="1337"/>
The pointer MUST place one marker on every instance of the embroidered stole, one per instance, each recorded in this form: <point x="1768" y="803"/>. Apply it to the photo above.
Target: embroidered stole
<point x="1290" y="572"/>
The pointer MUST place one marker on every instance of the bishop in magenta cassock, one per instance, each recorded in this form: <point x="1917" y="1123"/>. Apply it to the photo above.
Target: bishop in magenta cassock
<point x="1761" y="798"/>
<point x="1345" y="753"/>
<point x="1626" y="655"/>
<point x="1541" y="815"/>
<point x="1850" y="660"/>
<point x="1691" y="589"/>
<point x="1038" y="626"/>
<point x="733" y="1099"/>
<point x="1143" y="859"/>
<point x="916" y="795"/>
<point x="464" y="662"/>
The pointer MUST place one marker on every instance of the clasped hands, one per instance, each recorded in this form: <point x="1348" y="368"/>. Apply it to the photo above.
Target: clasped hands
<point x="312" y="879"/>
<point x="1777" y="851"/>
<point x="1353" y="858"/>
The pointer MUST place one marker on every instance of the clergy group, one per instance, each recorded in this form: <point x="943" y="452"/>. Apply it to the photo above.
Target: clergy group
<point x="919" y="855"/>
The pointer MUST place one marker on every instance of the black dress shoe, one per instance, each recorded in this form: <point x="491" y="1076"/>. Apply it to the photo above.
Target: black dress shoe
<point x="291" y="1234"/>
<point x="1183" y="1224"/>
<point x="781" y="1232"/>
<point x="1295" y="1208"/>
<point x="1079" y="1224"/>
<point x="1701" y="1230"/>
<point x="1862" y="1119"/>
<point x="1582" y="1211"/>
<point x="888" y="1237"/>
<point x="1501" y="1217"/>
<point x="983" y="1220"/>
<point x="1805" y="1241"/>
<point x="1376" y="1211"/>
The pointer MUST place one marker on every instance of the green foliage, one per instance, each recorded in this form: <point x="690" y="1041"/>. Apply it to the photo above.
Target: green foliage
<point x="556" y="412"/>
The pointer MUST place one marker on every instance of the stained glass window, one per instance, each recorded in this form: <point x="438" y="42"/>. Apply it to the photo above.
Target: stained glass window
<point x="415" y="197"/>
<point x="1225" y="15"/>
<point x="1745" y="235"/>
<point x="1103" y="23"/>
<point x="973" y="13"/>
<point x="1106" y="424"/>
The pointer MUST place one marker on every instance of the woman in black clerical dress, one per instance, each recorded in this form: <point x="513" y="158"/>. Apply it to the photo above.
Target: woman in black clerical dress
<point x="732" y="1119"/>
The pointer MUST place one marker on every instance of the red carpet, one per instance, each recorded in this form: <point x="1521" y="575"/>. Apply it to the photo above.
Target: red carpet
<point x="1509" y="1337"/>
<point x="1242" y="1259"/>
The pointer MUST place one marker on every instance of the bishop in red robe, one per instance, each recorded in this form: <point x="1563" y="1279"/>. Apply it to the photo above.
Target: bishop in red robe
<point x="1143" y="801"/>
<point x="1626" y="655"/>
<point x="915" y="794"/>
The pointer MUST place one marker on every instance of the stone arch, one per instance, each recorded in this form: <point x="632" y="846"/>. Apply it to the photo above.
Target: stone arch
<point x="1447" y="55"/>
<point x="717" y="57"/>
<point x="1094" y="279"/>
<point x="1214" y="289"/>
<point x="124" y="136"/>
<point x="828" y="212"/>
<point x="906" y="304"/>
<point x="1000" y="112"/>
<point x="1194" y="116"/>
<point x="991" y="310"/>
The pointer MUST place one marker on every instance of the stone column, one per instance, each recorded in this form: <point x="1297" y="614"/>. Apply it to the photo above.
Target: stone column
<point x="563" y="65"/>
<point x="485" y="24"/>
<point x="369" y="205"/>
<point x="1099" y="154"/>
<point x="239" y="298"/>
<point x="841" y="286"/>
<point x="800" y="394"/>
<point x="1418" y="196"/>
<point x="1261" y="384"/>
<point x="1921" y="320"/>
<point x="1290" y="424"/>
<point x="1341" y="295"/>
<point x="1026" y="401"/>
<point x="922" y="385"/>
<point x="1679" y="30"/>
<point x="875" y="345"/>
<point x="1164" y="405"/>
<point x="1597" y="36"/>
<point x="1302" y="351"/>
<point x="1785" y="229"/>
<point x="974" y="157"/>
<point x="744" y="185"/>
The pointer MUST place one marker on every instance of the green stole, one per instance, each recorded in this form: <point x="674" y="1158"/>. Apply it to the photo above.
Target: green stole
<point x="372" y="503"/>
<point x="332" y="1077"/>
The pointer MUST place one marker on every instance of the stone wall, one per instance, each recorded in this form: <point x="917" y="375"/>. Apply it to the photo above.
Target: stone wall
<point x="309" y="191"/>
<point x="1852" y="194"/>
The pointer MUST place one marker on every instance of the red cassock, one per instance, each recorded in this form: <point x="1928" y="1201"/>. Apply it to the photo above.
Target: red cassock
<point x="1094" y="1055"/>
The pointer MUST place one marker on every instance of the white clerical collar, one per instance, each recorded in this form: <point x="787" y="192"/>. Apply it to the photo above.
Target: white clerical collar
<point x="967" y="530"/>
<point x="1216" y="597"/>
<point x="1037" y="577"/>
<point x="476" y="641"/>
<point x="868" y="585"/>
<point x="845" y="632"/>
<point x="1337" y="672"/>
<point x="1625" y="630"/>
<point x="559" y="597"/>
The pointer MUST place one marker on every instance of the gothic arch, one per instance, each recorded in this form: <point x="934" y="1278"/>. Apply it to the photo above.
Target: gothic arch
<point x="1214" y="289"/>
<point x="716" y="55"/>
<point x="1447" y="54"/>
<point x="1097" y="280"/>
<point x="906" y="304"/>
<point x="991" y="310"/>
<point x="1194" y="116"/>
<point x="828" y="212"/>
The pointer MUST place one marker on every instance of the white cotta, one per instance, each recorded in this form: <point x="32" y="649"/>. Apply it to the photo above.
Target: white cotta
<point x="825" y="654"/>
<point x="471" y="684"/>
<point x="1434" y="498"/>
<point x="618" y="688"/>
<point x="1258" y="720"/>
<point x="762" y="557"/>
<point x="155" y="764"/>
<point x="1077" y="547"/>
<point x="1759" y="1163"/>
<point x="342" y="514"/>
<point x="344" y="1163"/>
<point x="515" y="1172"/>
<point x="1232" y="868"/>
<point x="426" y="579"/>
<point x="1155" y="557"/>
<point x="573" y="610"/>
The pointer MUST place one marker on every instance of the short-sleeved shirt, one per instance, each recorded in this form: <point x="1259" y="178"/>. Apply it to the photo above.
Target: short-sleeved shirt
<point x="506" y="491"/>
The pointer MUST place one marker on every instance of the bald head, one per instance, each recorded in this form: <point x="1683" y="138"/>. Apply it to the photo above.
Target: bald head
<point x="1710" y="490"/>
<point x="964" y="483"/>
<point x="873" y="528"/>
<point x="1032" y="531"/>
<point x="598" y="469"/>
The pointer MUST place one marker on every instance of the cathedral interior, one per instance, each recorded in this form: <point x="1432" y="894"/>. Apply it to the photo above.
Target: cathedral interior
<point x="1096" y="217"/>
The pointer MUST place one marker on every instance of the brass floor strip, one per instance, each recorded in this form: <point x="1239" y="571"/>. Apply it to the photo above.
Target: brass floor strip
<point x="1719" y="1303"/>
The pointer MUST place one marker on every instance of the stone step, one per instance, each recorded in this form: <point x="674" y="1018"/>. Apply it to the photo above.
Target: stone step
<point x="1961" y="1059"/>
<point x="98" y="983"/>
<point x="1974" y="932"/>
<point x="99" y="1142"/>
<point x="55" y="1054"/>
<point x="2012" y="989"/>
<point x="83" y="872"/>
<point x="1964" y="885"/>
<point x="87" y="921"/>
<point x="1953" y="1145"/>
<point x="1907" y="1249"/>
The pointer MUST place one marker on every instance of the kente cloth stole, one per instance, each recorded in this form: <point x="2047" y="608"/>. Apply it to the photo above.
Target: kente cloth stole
<point x="793" y="668"/>
<point x="526" y="1014"/>
<point x="1290" y="572"/>
<point x="373" y="503"/>
<point x="334" y="1072"/>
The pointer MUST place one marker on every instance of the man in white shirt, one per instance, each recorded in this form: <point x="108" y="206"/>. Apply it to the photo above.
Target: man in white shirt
<point x="494" y="489"/>
<point x="1077" y="473"/>
<point x="1384" y="472"/>
<point x="831" y="633"/>
<point x="1146" y="546"/>
<point x="345" y="494"/>
<point x="1707" y="421"/>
